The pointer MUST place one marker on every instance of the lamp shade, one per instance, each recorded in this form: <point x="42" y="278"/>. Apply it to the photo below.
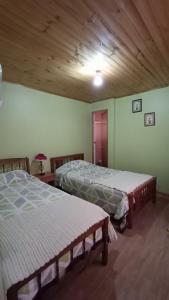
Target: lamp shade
<point x="40" y="156"/>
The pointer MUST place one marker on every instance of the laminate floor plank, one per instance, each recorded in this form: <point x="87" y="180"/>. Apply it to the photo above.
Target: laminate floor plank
<point x="138" y="267"/>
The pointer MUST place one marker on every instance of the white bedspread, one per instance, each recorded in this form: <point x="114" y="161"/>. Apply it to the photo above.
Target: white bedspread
<point x="29" y="240"/>
<point x="124" y="181"/>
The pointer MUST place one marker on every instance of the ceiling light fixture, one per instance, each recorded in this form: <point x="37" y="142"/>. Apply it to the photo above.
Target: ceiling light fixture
<point x="98" y="80"/>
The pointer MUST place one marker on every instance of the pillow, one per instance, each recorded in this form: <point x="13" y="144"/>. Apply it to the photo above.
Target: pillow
<point x="73" y="165"/>
<point x="78" y="163"/>
<point x="13" y="176"/>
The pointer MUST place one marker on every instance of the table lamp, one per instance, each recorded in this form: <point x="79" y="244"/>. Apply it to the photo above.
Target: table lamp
<point x="40" y="157"/>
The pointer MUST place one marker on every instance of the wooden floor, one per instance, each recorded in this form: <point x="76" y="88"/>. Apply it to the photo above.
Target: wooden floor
<point x="138" y="267"/>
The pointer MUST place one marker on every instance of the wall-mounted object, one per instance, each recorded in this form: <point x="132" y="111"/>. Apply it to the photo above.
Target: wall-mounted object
<point x="137" y="105"/>
<point x="149" y="119"/>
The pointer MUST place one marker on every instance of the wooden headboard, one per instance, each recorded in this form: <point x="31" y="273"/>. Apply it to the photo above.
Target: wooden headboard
<point x="10" y="164"/>
<point x="58" y="161"/>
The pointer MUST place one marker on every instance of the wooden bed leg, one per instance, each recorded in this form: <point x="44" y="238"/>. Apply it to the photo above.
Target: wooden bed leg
<point x="105" y="242"/>
<point x="154" y="191"/>
<point x="12" y="294"/>
<point x="130" y="212"/>
<point x="129" y="220"/>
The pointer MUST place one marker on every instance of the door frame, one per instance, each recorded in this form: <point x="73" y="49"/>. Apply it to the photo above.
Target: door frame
<point x="100" y="110"/>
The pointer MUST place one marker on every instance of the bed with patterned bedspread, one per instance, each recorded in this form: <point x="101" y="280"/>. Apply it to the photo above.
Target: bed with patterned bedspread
<point x="108" y="188"/>
<point x="37" y="222"/>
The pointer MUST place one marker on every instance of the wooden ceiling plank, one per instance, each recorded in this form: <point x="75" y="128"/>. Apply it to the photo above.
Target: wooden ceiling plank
<point x="123" y="40"/>
<point x="83" y="7"/>
<point x="151" y="22"/>
<point x="44" y="44"/>
<point x="129" y="31"/>
<point x="148" y="47"/>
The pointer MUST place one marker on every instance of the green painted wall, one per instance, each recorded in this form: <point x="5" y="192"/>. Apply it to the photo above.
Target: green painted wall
<point x="32" y="122"/>
<point x="133" y="146"/>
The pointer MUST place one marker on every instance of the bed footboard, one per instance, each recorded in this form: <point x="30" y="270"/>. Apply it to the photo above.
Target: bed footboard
<point x="102" y="248"/>
<point x="139" y="197"/>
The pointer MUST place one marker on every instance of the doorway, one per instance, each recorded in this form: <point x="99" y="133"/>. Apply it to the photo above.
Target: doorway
<point x="100" y="138"/>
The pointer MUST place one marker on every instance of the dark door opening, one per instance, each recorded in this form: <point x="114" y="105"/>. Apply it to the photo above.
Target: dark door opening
<point x="100" y="138"/>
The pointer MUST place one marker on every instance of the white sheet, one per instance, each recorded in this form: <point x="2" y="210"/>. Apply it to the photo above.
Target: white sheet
<point x="31" y="239"/>
<point x="124" y="181"/>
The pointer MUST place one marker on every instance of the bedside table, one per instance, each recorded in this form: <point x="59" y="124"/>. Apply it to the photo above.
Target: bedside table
<point x="48" y="177"/>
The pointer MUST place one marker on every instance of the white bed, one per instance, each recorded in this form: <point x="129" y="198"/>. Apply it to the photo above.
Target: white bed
<point x="37" y="224"/>
<point x="117" y="192"/>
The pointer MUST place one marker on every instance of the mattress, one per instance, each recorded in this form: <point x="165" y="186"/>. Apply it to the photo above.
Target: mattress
<point x="37" y="221"/>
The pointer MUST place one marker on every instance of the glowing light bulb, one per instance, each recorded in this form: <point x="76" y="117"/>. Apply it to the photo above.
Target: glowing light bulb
<point x="98" y="80"/>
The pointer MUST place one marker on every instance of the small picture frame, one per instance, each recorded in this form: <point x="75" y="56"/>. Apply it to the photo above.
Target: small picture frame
<point x="137" y="105"/>
<point x="149" y="119"/>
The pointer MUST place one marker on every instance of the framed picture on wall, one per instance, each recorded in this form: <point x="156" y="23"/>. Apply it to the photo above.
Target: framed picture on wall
<point x="149" y="119"/>
<point x="137" y="105"/>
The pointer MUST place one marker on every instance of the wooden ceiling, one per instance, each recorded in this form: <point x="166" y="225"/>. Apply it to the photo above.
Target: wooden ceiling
<point x="46" y="45"/>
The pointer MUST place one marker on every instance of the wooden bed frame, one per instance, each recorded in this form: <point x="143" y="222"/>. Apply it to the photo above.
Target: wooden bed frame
<point x="137" y="198"/>
<point x="10" y="164"/>
<point x="59" y="161"/>
<point x="101" y="245"/>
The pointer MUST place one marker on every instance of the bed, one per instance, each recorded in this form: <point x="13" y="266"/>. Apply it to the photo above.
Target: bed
<point x="40" y="239"/>
<point x="119" y="193"/>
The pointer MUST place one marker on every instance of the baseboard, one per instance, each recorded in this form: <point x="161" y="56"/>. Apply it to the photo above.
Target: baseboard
<point x="163" y="194"/>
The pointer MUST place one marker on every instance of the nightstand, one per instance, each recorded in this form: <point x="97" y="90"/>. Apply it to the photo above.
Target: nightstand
<point x="48" y="177"/>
